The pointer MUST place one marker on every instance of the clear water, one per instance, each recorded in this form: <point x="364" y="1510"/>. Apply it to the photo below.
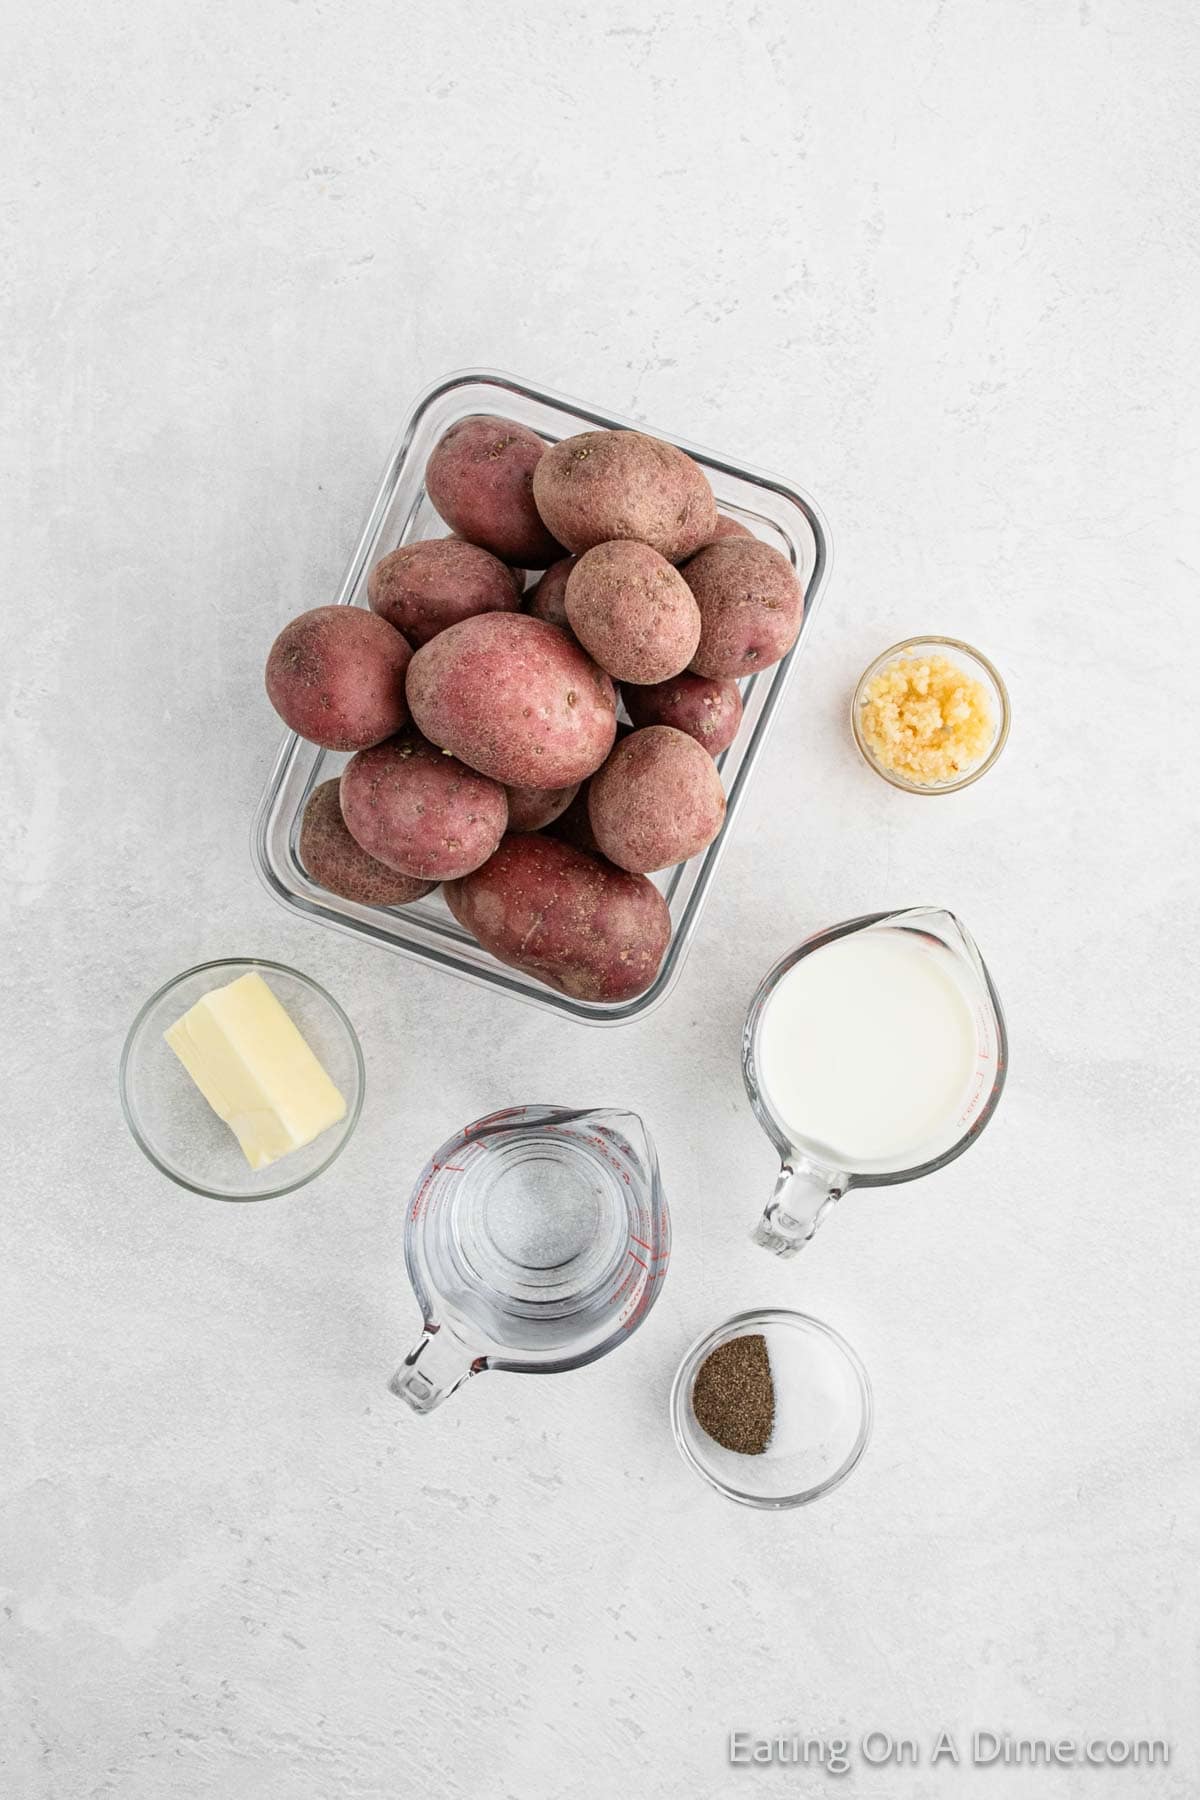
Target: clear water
<point x="538" y="1234"/>
<point x="542" y="1213"/>
<point x="540" y="1219"/>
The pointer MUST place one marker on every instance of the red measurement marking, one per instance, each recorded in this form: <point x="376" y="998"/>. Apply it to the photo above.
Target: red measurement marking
<point x="639" y="1262"/>
<point x="639" y="1307"/>
<point x="643" y="1243"/>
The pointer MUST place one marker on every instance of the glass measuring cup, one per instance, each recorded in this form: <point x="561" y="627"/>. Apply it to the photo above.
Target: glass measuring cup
<point x="810" y="1178"/>
<point x="536" y="1240"/>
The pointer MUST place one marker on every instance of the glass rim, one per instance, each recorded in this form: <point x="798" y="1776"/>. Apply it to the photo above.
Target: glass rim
<point x="742" y="1324"/>
<point x="992" y="674"/>
<point x="353" y="1111"/>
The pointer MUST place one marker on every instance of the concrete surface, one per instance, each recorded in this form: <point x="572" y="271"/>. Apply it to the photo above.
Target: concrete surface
<point x="937" y="262"/>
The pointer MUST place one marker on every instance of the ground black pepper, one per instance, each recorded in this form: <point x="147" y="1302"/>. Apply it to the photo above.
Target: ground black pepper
<point x="733" y="1396"/>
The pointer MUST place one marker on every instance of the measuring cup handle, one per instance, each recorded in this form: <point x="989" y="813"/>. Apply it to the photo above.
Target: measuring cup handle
<point x="801" y="1199"/>
<point x="432" y="1370"/>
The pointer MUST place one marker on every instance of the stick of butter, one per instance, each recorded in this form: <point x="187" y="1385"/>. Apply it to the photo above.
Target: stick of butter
<point x="254" y="1068"/>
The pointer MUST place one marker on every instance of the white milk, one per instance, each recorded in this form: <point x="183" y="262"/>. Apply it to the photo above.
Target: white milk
<point x="866" y="1049"/>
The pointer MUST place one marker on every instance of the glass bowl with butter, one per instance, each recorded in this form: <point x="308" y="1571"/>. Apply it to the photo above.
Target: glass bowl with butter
<point x="930" y="715"/>
<point x="241" y="1079"/>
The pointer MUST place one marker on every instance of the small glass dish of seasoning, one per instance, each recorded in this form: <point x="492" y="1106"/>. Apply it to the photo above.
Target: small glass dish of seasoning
<point x="773" y="1408"/>
<point x="930" y="715"/>
<point x="241" y="1079"/>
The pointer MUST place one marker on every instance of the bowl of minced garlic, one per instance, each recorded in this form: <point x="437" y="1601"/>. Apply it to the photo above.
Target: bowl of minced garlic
<point x="930" y="715"/>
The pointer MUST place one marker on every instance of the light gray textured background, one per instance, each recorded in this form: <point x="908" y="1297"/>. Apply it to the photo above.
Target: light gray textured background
<point x="937" y="262"/>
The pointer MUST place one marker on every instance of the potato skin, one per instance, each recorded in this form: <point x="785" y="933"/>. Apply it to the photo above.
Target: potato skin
<point x="657" y="800"/>
<point x="546" y="599"/>
<point x="421" y="588"/>
<point x="632" y="612"/>
<point x="581" y="926"/>
<point x="603" y="485"/>
<point x="529" y="809"/>
<point x="727" y="528"/>
<point x="335" y="861"/>
<point x="708" y="710"/>
<point x="515" y="698"/>
<point x="336" y="675"/>
<point x="480" y="479"/>
<point x="419" y="812"/>
<point x="574" y="826"/>
<point x="751" y="605"/>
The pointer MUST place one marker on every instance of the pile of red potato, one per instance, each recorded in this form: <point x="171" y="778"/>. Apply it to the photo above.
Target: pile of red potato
<point x="488" y="755"/>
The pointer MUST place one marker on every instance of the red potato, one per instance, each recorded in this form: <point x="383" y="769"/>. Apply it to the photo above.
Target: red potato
<point x="547" y="598"/>
<point x="708" y="710"/>
<point x="632" y="612"/>
<point x="419" y="812"/>
<point x="751" y="606"/>
<point x="514" y="698"/>
<point x="574" y="826"/>
<point x="603" y="485"/>
<point x="421" y="588"/>
<point x="569" y="919"/>
<point x="727" y="528"/>
<point x="336" y="675"/>
<point x="657" y="800"/>
<point x="335" y="861"/>
<point x="529" y="809"/>
<point x="480" y="479"/>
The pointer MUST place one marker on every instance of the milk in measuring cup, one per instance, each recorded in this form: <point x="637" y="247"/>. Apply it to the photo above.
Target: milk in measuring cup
<point x="867" y="1047"/>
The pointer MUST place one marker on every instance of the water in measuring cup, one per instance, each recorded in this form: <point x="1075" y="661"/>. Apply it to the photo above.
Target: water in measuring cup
<point x="867" y="1047"/>
<point x="540" y="1216"/>
<point x="536" y="1239"/>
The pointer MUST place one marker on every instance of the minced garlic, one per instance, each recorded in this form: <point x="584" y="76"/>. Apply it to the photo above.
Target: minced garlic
<point x="926" y="720"/>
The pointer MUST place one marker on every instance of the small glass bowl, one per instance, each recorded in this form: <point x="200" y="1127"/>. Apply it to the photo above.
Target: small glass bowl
<point x="823" y="1413"/>
<point x="973" y="663"/>
<point x="173" y="1123"/>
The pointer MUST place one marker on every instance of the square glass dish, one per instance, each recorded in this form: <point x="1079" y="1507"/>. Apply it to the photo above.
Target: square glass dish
<point x="774" y="510"/>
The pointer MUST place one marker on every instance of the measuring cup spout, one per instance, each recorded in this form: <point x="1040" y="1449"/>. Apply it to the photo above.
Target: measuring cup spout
<point x="433" y="1369"/>
<point x="803" y="1195"/>
<point x="948" y="927"/>
<point x="630" y="1128"/>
